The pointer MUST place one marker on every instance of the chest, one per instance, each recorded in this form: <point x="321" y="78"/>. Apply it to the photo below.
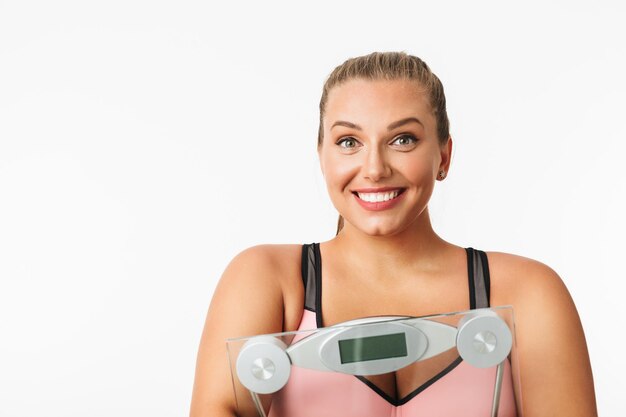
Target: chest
<point x="348" y="296"/>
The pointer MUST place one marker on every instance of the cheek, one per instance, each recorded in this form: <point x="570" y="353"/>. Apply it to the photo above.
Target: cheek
<point x="419" y="172"/>
<point x="339" y="171"/>
<point x="419" y="167"/>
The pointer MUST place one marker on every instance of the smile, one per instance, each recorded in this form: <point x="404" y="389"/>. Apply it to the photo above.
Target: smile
<point x="378" y="200"/>
<point x="378" y="197"/>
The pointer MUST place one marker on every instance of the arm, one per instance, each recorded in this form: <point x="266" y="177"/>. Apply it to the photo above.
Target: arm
<point x="247" y="301"/>
<point x="554" y="367"/>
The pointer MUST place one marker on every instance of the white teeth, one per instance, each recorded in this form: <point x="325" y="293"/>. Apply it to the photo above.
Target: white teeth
<point x="378" y="197"/>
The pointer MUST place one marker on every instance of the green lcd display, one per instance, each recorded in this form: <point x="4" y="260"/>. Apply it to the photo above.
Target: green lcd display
<point x="372" y="348"/>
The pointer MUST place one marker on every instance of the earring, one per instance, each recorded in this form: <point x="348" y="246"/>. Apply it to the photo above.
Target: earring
<point x="442" y="175"/>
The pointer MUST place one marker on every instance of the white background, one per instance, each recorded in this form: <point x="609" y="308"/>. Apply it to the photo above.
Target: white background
<point x="144" y="143"/>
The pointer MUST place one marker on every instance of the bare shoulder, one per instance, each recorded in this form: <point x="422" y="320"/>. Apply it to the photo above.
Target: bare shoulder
<point x="553" y="361"/>
<point x="519" y="280"/>
<point x="265" y="264"/>
<point x="267" y="278"/>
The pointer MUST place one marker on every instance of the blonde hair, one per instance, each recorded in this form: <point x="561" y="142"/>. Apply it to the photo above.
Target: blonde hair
<point x="389" y="66"/>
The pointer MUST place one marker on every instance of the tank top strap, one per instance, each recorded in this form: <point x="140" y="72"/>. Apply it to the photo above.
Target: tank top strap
<point x="310" y="279"/>
<point x="479" y="280"/>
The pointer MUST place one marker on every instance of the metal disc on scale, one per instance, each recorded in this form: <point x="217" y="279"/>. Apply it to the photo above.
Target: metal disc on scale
<point x="483" y="340"/>
<point x="262" y="365"/>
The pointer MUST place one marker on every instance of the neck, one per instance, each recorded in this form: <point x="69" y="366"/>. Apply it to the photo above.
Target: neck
<point x="416" y="245"/>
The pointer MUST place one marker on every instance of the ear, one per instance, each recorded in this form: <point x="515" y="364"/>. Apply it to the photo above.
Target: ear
<point x="446" y="156"/>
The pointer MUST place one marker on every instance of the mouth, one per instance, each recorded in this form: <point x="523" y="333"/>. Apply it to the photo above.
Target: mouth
<point x="379" y="196"/>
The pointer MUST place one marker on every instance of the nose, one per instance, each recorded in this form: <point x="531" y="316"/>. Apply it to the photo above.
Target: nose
<point x="376" y="165"/>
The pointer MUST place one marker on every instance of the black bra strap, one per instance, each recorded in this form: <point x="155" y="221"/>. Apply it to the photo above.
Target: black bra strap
<point x="308" y="276"/>
<point x="478" y="276"/>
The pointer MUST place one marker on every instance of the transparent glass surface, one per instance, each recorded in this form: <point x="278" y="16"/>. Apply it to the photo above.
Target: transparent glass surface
<point x="453" y="364"/>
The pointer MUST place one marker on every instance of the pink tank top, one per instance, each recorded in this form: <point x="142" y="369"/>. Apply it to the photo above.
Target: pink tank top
<point x="459" y="390"/>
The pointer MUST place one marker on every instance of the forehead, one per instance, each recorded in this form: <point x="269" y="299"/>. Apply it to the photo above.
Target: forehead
<point x="359" y="100"/>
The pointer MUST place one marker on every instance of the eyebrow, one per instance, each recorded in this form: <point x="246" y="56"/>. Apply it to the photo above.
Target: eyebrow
<point x="392" y="126"/>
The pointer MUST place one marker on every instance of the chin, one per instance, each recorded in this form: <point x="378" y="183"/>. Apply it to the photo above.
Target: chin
<point x="380" y="229"/>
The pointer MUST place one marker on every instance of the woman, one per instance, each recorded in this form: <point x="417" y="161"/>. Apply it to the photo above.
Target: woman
<point x="383" y="143"/>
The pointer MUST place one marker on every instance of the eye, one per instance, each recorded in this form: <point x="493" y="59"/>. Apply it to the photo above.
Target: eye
<point x="348" y="143"/>
<point x="404" y="140"/>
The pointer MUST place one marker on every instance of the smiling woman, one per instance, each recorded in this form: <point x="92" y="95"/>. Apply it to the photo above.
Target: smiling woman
<point x="383" y="144"/>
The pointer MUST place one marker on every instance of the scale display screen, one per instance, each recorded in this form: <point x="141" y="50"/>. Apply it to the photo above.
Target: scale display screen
<point x="372" y="348"/>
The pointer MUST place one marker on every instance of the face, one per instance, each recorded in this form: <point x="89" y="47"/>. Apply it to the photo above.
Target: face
<point x="380" y="155"/>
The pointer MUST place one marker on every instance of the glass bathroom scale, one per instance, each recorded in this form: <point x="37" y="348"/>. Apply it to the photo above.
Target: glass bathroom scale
<point x="454" y="364"/>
